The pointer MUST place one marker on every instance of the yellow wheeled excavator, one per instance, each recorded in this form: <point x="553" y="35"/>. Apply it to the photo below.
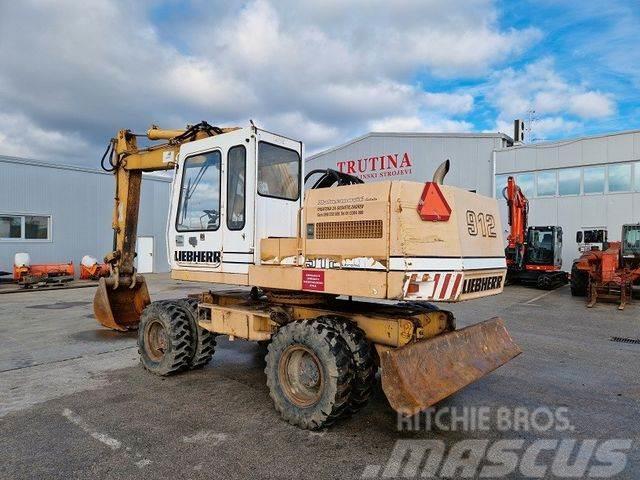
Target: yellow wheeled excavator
<point x="339" y="279"/>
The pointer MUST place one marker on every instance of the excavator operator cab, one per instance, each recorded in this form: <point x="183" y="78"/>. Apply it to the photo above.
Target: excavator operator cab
<point x="230" y="191"/>
<point x="591" y="239"/>
<point x="544" y="246"/>
<point x="631" y="242"/>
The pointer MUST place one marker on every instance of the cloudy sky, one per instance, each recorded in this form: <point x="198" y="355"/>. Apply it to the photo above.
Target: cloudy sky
<point x="74" y="72"/>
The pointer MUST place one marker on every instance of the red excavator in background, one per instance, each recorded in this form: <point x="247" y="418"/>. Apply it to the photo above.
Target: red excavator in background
<point x="609" y="274"/>
<point x="534" y="254"/>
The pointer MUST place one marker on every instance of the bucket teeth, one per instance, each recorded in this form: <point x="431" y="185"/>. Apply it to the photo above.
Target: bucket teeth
<point x="418" y="375"/>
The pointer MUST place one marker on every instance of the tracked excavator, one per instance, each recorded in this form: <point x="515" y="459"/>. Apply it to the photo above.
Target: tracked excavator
<point x="534" y="254"/>
<point x="338" y="281"/>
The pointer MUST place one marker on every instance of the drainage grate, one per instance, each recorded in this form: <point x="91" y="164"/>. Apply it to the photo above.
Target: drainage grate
<point x="625" y="340"/>
<point x="58" y="305"/>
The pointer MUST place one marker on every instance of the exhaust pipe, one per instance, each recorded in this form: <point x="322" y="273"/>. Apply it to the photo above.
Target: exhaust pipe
<point x="441" y="172"/>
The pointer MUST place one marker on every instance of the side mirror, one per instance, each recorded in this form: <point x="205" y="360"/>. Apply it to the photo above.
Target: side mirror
<point x="579" y="237"/>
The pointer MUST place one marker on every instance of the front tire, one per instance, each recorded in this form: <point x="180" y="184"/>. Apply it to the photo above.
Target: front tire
<point x="165" y="343"/>
<point x="309" y="373"/>
<point x="204" y="341"/>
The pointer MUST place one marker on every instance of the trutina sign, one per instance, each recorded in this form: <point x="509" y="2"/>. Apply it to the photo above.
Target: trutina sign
<point x="388" y="165"/>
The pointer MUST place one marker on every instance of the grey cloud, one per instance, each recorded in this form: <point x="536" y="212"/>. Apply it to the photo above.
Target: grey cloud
<point x="322" y="71"/>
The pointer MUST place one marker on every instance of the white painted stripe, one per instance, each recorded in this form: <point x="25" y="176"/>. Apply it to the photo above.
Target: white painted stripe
<point x="110" y="442"/>
<point x="426" y="264"/>
<point x="235" y="268"/>
<point x="237" y="257"/>
<point x="107" y="440"/>
<point x="483" y="263"/>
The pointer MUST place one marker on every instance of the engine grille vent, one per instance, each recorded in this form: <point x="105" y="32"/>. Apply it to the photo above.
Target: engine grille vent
<point x="349" y="229"/>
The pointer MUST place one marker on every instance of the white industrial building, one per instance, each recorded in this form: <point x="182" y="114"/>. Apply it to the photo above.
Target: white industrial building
<point x="59" y="213"/>
<point x="590" y="182"/>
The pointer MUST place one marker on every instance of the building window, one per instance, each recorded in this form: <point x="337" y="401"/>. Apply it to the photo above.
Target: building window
<point x="569" y="181"/>
<point x="236" y="173"/>
<point x="25" y="227"/>
<point x="547" y="183"/>
<point x="501" y="184"/>
<point x="593" y="179"/>
<point x="526" y="183"/>
<point x="199" y="206"/>
<point x="619" y="177"/>
<point x="636" y="175"/>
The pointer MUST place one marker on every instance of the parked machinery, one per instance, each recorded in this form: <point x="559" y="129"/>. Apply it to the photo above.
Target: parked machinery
<point x="91" y="269"/>
<point x="609" y="274"/>
<point x="534" y="254"/>
<point x="239" y="216"/>
<point x="591" y="239"/>
<point x="28" y="274"/>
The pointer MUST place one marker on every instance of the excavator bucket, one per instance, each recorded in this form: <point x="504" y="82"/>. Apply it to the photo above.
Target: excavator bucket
<point x="420" y="374"/>
<point x="120" y="308"/>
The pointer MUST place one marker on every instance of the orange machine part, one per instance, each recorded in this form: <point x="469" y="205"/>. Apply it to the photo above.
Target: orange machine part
<point x="44" y="270"/>
<point x="543" y="268"/>
<point x="518" y="209"/>
<point x="433" y="206"/>
<point x="94" y="272"/>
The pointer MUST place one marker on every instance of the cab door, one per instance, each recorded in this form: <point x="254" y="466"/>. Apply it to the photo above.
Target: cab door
<point x="238" y="207"/>
<point x="557" y="251"/>
<point x="278" y="185"/>
<point x="195" y="234"/>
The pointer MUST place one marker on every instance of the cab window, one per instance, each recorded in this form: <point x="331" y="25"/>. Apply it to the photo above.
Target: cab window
<point x="278" y="172"/>
<point x="236" y="181"/>
<point x="199" y="205"/>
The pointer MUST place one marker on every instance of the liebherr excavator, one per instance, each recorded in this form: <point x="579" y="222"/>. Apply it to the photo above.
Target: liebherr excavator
<point x="239" y="216"/>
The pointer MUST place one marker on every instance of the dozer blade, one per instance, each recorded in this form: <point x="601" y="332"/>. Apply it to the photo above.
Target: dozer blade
<point x="120" y="308"/>
<point x="420" y="374"/>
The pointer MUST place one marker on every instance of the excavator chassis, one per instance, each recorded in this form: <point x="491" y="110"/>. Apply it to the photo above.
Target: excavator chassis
<point x="423" y="359"/>
<point x="387" y="241"/>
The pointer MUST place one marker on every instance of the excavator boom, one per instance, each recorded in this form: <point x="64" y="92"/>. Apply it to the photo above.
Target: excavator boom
<point x="123" y="295"/>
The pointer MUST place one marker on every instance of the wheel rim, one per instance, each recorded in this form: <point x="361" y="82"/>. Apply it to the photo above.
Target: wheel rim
<point x="155" y="341"/>
<point x="301" y="375"/>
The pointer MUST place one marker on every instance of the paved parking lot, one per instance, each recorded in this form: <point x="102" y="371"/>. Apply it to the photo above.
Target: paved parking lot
<point x="75" y="404"/>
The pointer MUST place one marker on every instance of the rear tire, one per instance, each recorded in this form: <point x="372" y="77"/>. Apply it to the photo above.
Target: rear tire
<point x="363" y="364"/>
<point x="309" y="373"/>
<point x="579" y="282"/>
<point x="165" y="343"/>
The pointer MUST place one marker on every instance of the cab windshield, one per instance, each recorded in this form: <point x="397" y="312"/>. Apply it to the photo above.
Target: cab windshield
<point x="199" y="206"/>
<point x="631" y="240"/>
<point x="540" y="246"/>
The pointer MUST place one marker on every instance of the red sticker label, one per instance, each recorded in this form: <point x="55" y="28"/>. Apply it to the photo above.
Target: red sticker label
<point x="313" y="280"/>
